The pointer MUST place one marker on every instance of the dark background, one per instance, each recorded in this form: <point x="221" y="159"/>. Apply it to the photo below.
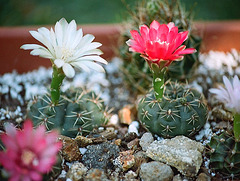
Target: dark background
<point x="41" y="12"/>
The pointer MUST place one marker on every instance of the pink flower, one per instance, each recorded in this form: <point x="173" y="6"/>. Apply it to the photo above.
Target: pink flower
<point x="29" y="153"/>
<point x="159" y="43"/>
<point x="230" y="95"/>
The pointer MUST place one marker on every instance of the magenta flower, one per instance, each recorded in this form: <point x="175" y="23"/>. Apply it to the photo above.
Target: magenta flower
<point x="29" y="153"/>
<point x="159" y="43"/>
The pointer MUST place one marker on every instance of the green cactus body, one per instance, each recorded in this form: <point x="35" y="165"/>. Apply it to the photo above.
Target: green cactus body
<point x="224" y="154"/>
<point x="136" y="72"/>
<point x="76" y="113"/>
<point x="180" y="112"/>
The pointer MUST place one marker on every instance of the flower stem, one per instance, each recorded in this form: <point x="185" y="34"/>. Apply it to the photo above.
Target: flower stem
<point x="57" y="79"/>
<point x="158" y="81"/>
<point x="236" y="127"/>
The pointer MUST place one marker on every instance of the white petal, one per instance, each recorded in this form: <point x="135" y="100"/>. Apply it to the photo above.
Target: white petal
<point x="95" y="58"/>
<point x="91" y="52"/>
<point x="68" y="70"/>
<point x="87" y="39"/>
<point x="80" y="65"/>
<point x="78" y="38"/>
<point x="59" y="63"/>
<point x="41" y="53"/>
<point x="93" y="65"/>
<point x="59" y="33"/>
<point x="31" y="46"/>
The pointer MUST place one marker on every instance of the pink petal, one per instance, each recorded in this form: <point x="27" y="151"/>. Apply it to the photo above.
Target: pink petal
<point x="181" y="37"/>
<point x="171" y="25"/>
<point x="153" y="35"/>
<point x="187" y="51"/>
<point x="35" y="176"/>
<point x="144" y="30"/>
<point x="154" y="25"/>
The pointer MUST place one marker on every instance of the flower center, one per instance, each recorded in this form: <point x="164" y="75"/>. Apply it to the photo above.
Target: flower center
<point x="66" y="53"/>
<point x="28" y="157"/>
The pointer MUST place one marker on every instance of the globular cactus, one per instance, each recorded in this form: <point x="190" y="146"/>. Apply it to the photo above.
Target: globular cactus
<point x="180" y="112"/>
<point x="135" y="69"/>
<point x="76" y="113"/>
<point x="224" y="154"/>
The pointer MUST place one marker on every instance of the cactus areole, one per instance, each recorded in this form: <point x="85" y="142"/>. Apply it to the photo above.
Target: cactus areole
<point x="159" y="45"/>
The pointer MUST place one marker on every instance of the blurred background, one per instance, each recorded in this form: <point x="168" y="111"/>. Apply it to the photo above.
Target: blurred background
<point x="42" y="12"/>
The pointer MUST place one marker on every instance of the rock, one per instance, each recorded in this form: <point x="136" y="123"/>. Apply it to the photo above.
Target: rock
<point x="109" y="133"/>
<point x="76" y="172"/>
<point x="179" y="152"/>
<point x="118" y="142"/>
<point x="125" y="160"/>
<point x="130" y="175"/>
<point x="96" y="175"/>
<point x="146" y="140"/>
<point x="70" y="150"/>
<point x="203" y="177"/>
<point x="133" y="145"/>
<point x="155" y="171"/>
<point x="140" y="158"/>
<point x="100" y="156"/>
<point x="129" y="137"/>
<point x="127" y="114"/>
<point x="177" y="178"/>
<point x="83" y="141"/>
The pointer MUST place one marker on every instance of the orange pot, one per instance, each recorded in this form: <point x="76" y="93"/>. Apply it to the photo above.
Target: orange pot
<point x="219" y="36"/>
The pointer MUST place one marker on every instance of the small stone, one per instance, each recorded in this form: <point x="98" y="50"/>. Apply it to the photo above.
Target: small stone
<point x="129" y="137"/>
<point x="133" y="145"/>
<point x="100" y="156"/>
<point x="83" y="141"/>
<point x="109" y="134"/>
<point x="140" y="158"/>
<point x="118" y="142"/>
<point x="177" y="178"/>
<point x="125" y="160"/>
<point x="146" y="140"/>
<point x="70" y="150"/>
<point x="76" y="172"/>
<point x="127" y="114"/>
<point x="155" y="171"/>
<point x="130" y="175"/>
<point x="203" y="177"/>
<point x="179" y="152"/>
<point x="96" y="175"/>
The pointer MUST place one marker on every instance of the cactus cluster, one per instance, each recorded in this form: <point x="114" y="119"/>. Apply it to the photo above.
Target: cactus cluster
<point x="224" y="154"/>
<point x="181" y="111"/>
<point x="135" y="69"/>
<point x="77" y="113"/>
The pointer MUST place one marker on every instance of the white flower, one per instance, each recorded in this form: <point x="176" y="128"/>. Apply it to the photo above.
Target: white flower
<point x="67" y="48"/>
<point x="230" y="95"/>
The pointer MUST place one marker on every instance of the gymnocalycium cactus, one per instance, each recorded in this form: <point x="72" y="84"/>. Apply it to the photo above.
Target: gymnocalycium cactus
<point x="224" y="154"/>
<point x="66" y="48"/>
<point x="136" y="73"/>
<point x="77" y="112"/>
<point x="168" y="110"/>
<point x="225" y="148"/>
<point x="180" y="112"/>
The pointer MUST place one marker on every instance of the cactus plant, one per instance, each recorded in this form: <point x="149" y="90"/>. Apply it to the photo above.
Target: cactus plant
<point x="224" y="154"/>
<point x="77" y="112"/>
<point x="135" y="70"/>
<point x="181" y="111"/>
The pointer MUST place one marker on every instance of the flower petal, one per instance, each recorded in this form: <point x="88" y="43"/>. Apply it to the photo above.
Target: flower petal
<point x="68" y="70"/>
<point x="59" y="62"/>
